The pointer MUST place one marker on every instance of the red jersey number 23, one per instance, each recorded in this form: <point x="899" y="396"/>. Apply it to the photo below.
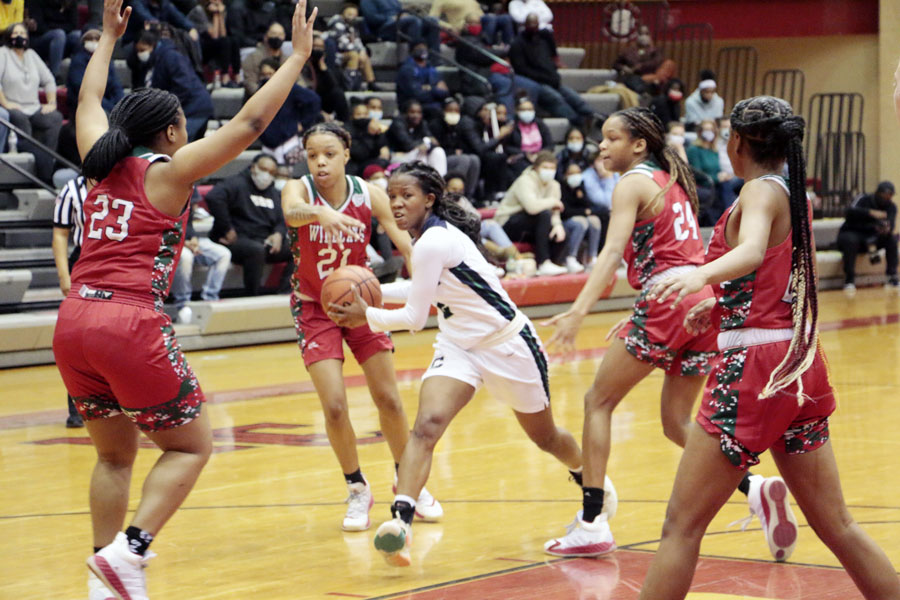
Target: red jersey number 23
<point x="121" y="210"/>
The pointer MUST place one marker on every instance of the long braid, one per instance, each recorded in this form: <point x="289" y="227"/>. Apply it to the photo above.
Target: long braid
<point x="643" y="123"/>
<point x="774" y="134"/>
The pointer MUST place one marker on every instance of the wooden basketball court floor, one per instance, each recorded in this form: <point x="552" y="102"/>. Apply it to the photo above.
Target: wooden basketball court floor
<point x="264" y="518"/>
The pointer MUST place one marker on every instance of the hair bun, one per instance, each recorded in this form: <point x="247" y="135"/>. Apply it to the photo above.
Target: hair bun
<point x="791" y="127"/>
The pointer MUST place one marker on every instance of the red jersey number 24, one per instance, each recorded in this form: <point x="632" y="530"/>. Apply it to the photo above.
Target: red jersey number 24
<point x="121" y="210"/>
<point x="684" y="215"/>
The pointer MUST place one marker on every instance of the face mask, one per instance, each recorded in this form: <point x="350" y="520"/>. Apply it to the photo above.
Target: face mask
<point x="474" y="29"/>
<point x="677" y="140"/>
<point x="144" y="56"/>
<point x="274" y="42"/>
<point x="361" y="123"/>
<point x="316" y="54"/>
<point x="91" y="46"/>
<point x="18" y="42"/>
<point x="546" y="174"/>
<point x="675" y="95"/>
<point x="452" y="118"/>
<point x="725" y="133"/>
<point x="280" y="183"/>
<point x="380" y="182"/>
<point x="420" y="54"/>
<point x="261" y="179"/>
<point x="708" y="135"/>
<point x="376" y="114"/>
<point x="526" y="116"/>
<point x="574" y="180"/>
<point x="575" y="147"/>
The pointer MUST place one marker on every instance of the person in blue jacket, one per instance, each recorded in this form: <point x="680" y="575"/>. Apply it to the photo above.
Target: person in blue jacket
<point x="80" y="58"/>
<point x="418" y="79"/>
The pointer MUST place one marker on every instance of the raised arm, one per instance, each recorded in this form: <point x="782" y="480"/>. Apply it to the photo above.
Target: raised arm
<point x="90" y="118"/>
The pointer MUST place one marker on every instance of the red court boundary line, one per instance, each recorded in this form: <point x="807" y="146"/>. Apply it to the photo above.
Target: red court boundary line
<point x="51" y="417"/>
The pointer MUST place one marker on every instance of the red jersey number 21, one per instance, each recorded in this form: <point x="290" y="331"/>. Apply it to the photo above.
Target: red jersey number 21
<point x="683" y="213"/>
<point x="121" y="209"/>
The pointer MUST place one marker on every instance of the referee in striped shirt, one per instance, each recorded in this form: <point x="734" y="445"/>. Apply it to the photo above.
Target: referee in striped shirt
<point x="68" y="215"/>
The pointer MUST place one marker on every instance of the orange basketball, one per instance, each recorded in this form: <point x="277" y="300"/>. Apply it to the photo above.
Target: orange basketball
<point x="338" y="287"/>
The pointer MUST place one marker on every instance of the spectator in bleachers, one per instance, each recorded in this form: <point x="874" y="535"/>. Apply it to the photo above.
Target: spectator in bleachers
<point x="376" y="108"/>
<point x="676" y="138"/>
<point x="22" y="75"/>
<point x="529" y="137"/>
<point x="447" y="131"/>
<point x="156" y="11"/>
<point x="530" y="212"/>
<point x="703" y="155"/>
<point x="519" y="10"/>
<point x="410" y="139"/>
<point x="12" y="12"/>
<point x="53" y="25"/>
<point x="418" y="79"/>
<point x="221" y="51"/>
<point x="326" y="82"/>
<point x="577" y="151"/>
<point x="283" y="174"/>
<point x="484" y="135"/>
<point x="869" y="226"/>
<point x="386" y="17"/>
<point x="703" y="103"/>
<point x="80" y="58"/>
<point x="599" y="184"/>
<point x="170" y="70"/>
<point x="351" y="53"/>
<point x="205" y="252"/>
<point x="248" y="219"/>
<point x="494" y="239"/>
<point x="642" y="66"/>
<point x="249" y="21"/>
<point x="270" y="47"/>
<point x="533" y="56"/>
<point x="578" y="219"/>
<point x="460" y="14"/>
<point x="300" y="111"/>
<point x="668" y="104"/>
<point x="370" y="146"/>
<point x="500" y="83"/>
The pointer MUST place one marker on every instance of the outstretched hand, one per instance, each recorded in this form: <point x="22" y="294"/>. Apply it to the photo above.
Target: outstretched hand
<point x="563" y="339"/>
<point x="115" y="20"/>
<point x="682" y="285"/>
<point x="340" y="227"/>
<point x="352" y="314"/>
<point x="302" y="30"/>
<point x="698" y="318"/>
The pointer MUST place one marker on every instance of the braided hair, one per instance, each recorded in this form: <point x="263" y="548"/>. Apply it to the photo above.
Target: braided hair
<point x="774" y="135"/>
<point x="445" y="206"/>
<point x="336" y="130"/>
<point x="643" y="123"/>
<point x="135" y="120"/>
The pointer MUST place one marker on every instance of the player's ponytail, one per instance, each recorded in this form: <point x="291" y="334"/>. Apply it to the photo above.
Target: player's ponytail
<point x="134" y="121"/>
<point x="774" y="134"/>
<point x="643" y="123"/>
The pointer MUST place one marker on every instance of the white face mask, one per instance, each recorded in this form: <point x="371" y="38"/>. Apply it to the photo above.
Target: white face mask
<point x="725" y="134"/>
<point x="677" y="140"/>
<point x="380" y="182"/>
<point x="574" y="180"/>
<point x="91" y="46"/>
<point x="280" y="183"/>
<point x="376" y="114"/>
<point x="546" y="174"/>
<point x="452" y="118"/>
<point x="261" y="179"/>
<point x="144" y="56"/>
<point x="708" y="135"/>
<point x="526" y="116"/>
<point x="575" y="146"/>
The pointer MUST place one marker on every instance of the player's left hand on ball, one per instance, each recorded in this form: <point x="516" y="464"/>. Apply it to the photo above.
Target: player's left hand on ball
<point x="352" y="314"/>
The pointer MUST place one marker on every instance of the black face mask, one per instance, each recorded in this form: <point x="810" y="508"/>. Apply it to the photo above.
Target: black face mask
<point x="274" y="42"/>
<point x="361" y="124"/>
<point x="18" y="42"/>
<point x="316" y="55"/>
<point x="263" y="81"/>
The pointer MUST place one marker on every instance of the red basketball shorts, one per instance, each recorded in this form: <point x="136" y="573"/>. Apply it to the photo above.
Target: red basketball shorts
<point x="321" y="338"/>
<point x="119" y="358"/>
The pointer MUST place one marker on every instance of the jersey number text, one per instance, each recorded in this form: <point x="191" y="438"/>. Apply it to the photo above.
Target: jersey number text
<point x="684" y="213"/>
<point x="121" y="207"/>
<point x="327" y="258"/>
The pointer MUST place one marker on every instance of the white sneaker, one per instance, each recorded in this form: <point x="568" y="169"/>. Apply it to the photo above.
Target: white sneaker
<point x="428" y="508"/>
<point x="768" y="499"/>
<point x="185" y="314"/>
<point x="96" y="589"/>
<point x="850" y="290"/>
<point x="583" y="539"/>
<point x="359" y="502"/>
<point x="393" y="539"/>
<point x="550" y="269"/>
<point x="610" y="499"/>
<point x="573" y="266"/>
<point x="121" y="570"/>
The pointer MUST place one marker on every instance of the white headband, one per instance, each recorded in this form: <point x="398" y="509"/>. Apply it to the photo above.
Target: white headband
<point x="707" y="84"/>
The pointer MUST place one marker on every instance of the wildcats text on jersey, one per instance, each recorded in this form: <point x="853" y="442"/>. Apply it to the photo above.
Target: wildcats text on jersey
<point x="317" y="234"/>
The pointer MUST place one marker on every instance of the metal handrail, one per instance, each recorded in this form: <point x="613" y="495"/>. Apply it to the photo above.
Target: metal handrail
<point x="30" y="138"/>
<point x="457" y="38"/>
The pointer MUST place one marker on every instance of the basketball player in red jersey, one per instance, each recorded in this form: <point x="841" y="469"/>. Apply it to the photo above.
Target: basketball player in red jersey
<point x="114" y="346"/>
<point x="653" y="227"/>
<point x="329" y="216"/>
<point x="771" y="389"/>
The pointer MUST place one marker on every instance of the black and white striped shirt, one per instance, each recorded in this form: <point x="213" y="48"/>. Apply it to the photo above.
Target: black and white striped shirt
<point x="69" y="209"/>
